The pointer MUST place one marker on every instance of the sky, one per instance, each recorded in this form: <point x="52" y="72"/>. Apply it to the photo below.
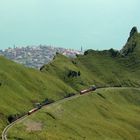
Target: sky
<point x="93" y="24"/>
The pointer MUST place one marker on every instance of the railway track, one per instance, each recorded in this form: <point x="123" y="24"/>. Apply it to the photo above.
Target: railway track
<point x="8" y="127"/>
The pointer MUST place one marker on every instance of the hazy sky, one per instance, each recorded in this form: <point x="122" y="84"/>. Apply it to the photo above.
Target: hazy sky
<point x="96" y="24"/>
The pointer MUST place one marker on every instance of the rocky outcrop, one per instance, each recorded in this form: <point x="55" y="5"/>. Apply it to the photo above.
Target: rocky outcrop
<point x="133" y="32"/>
<point x="131" y="42"/>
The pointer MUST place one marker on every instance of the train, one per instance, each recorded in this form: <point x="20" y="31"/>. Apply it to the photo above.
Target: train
<point x="47" y="101"/>
<point x="40" y="105"/>
<point x="92" y="88"/>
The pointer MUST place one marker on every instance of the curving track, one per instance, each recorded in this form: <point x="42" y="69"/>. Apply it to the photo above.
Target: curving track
<point x="6" y="129"/>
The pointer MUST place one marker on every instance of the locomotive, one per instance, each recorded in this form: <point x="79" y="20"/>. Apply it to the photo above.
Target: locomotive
<point x="92" y="88"/>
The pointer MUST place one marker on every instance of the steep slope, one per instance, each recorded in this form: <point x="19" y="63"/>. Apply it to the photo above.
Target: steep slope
<point x="131" y="51"/>
<point x="98" y="68"/>
<point x="106" y="114"/>
<point x="103" y="68"/>
<point x="110" y="113"/>
<point x="21" y="88"/>
<point x="132" y="44"/>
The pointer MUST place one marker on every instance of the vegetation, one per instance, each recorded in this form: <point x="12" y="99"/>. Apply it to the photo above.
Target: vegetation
<point x="111" y="114"/>
<point x="21" y="88"/>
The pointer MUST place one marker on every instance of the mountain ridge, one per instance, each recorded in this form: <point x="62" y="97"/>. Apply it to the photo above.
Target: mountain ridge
<point x="21" y="87"/>
<point x="132" y="43"/>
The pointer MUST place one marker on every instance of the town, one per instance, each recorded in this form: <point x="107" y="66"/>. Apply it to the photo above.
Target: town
<point x="36" y="56"/>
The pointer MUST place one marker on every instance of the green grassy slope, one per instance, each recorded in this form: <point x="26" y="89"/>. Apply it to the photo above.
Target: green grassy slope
<point x="98" y="68"/>
<point x="103" y="68"/>
<point x="21" y="88"/>
<point x="106" y="114"/>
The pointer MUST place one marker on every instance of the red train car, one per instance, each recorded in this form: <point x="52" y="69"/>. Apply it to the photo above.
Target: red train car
<point x="92" y="88"/>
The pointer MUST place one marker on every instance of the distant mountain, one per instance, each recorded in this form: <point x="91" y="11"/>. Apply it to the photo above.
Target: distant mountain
<point x="36" y="56"/>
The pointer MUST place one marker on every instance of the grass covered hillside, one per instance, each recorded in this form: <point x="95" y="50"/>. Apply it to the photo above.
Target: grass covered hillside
<point x="102" y="68"/>
<point x="106" y="114"/>
<point x="21" y="88"/>
<point x="113" y="114"/>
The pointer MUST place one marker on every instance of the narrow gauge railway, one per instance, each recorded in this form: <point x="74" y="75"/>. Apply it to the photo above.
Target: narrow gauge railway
<point x="92" y="88"/>
<point x="45" y="103"/>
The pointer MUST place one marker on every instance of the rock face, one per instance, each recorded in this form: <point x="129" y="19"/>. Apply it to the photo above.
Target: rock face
<point x="132" y="32"/>
<point x="131" y="42"/>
